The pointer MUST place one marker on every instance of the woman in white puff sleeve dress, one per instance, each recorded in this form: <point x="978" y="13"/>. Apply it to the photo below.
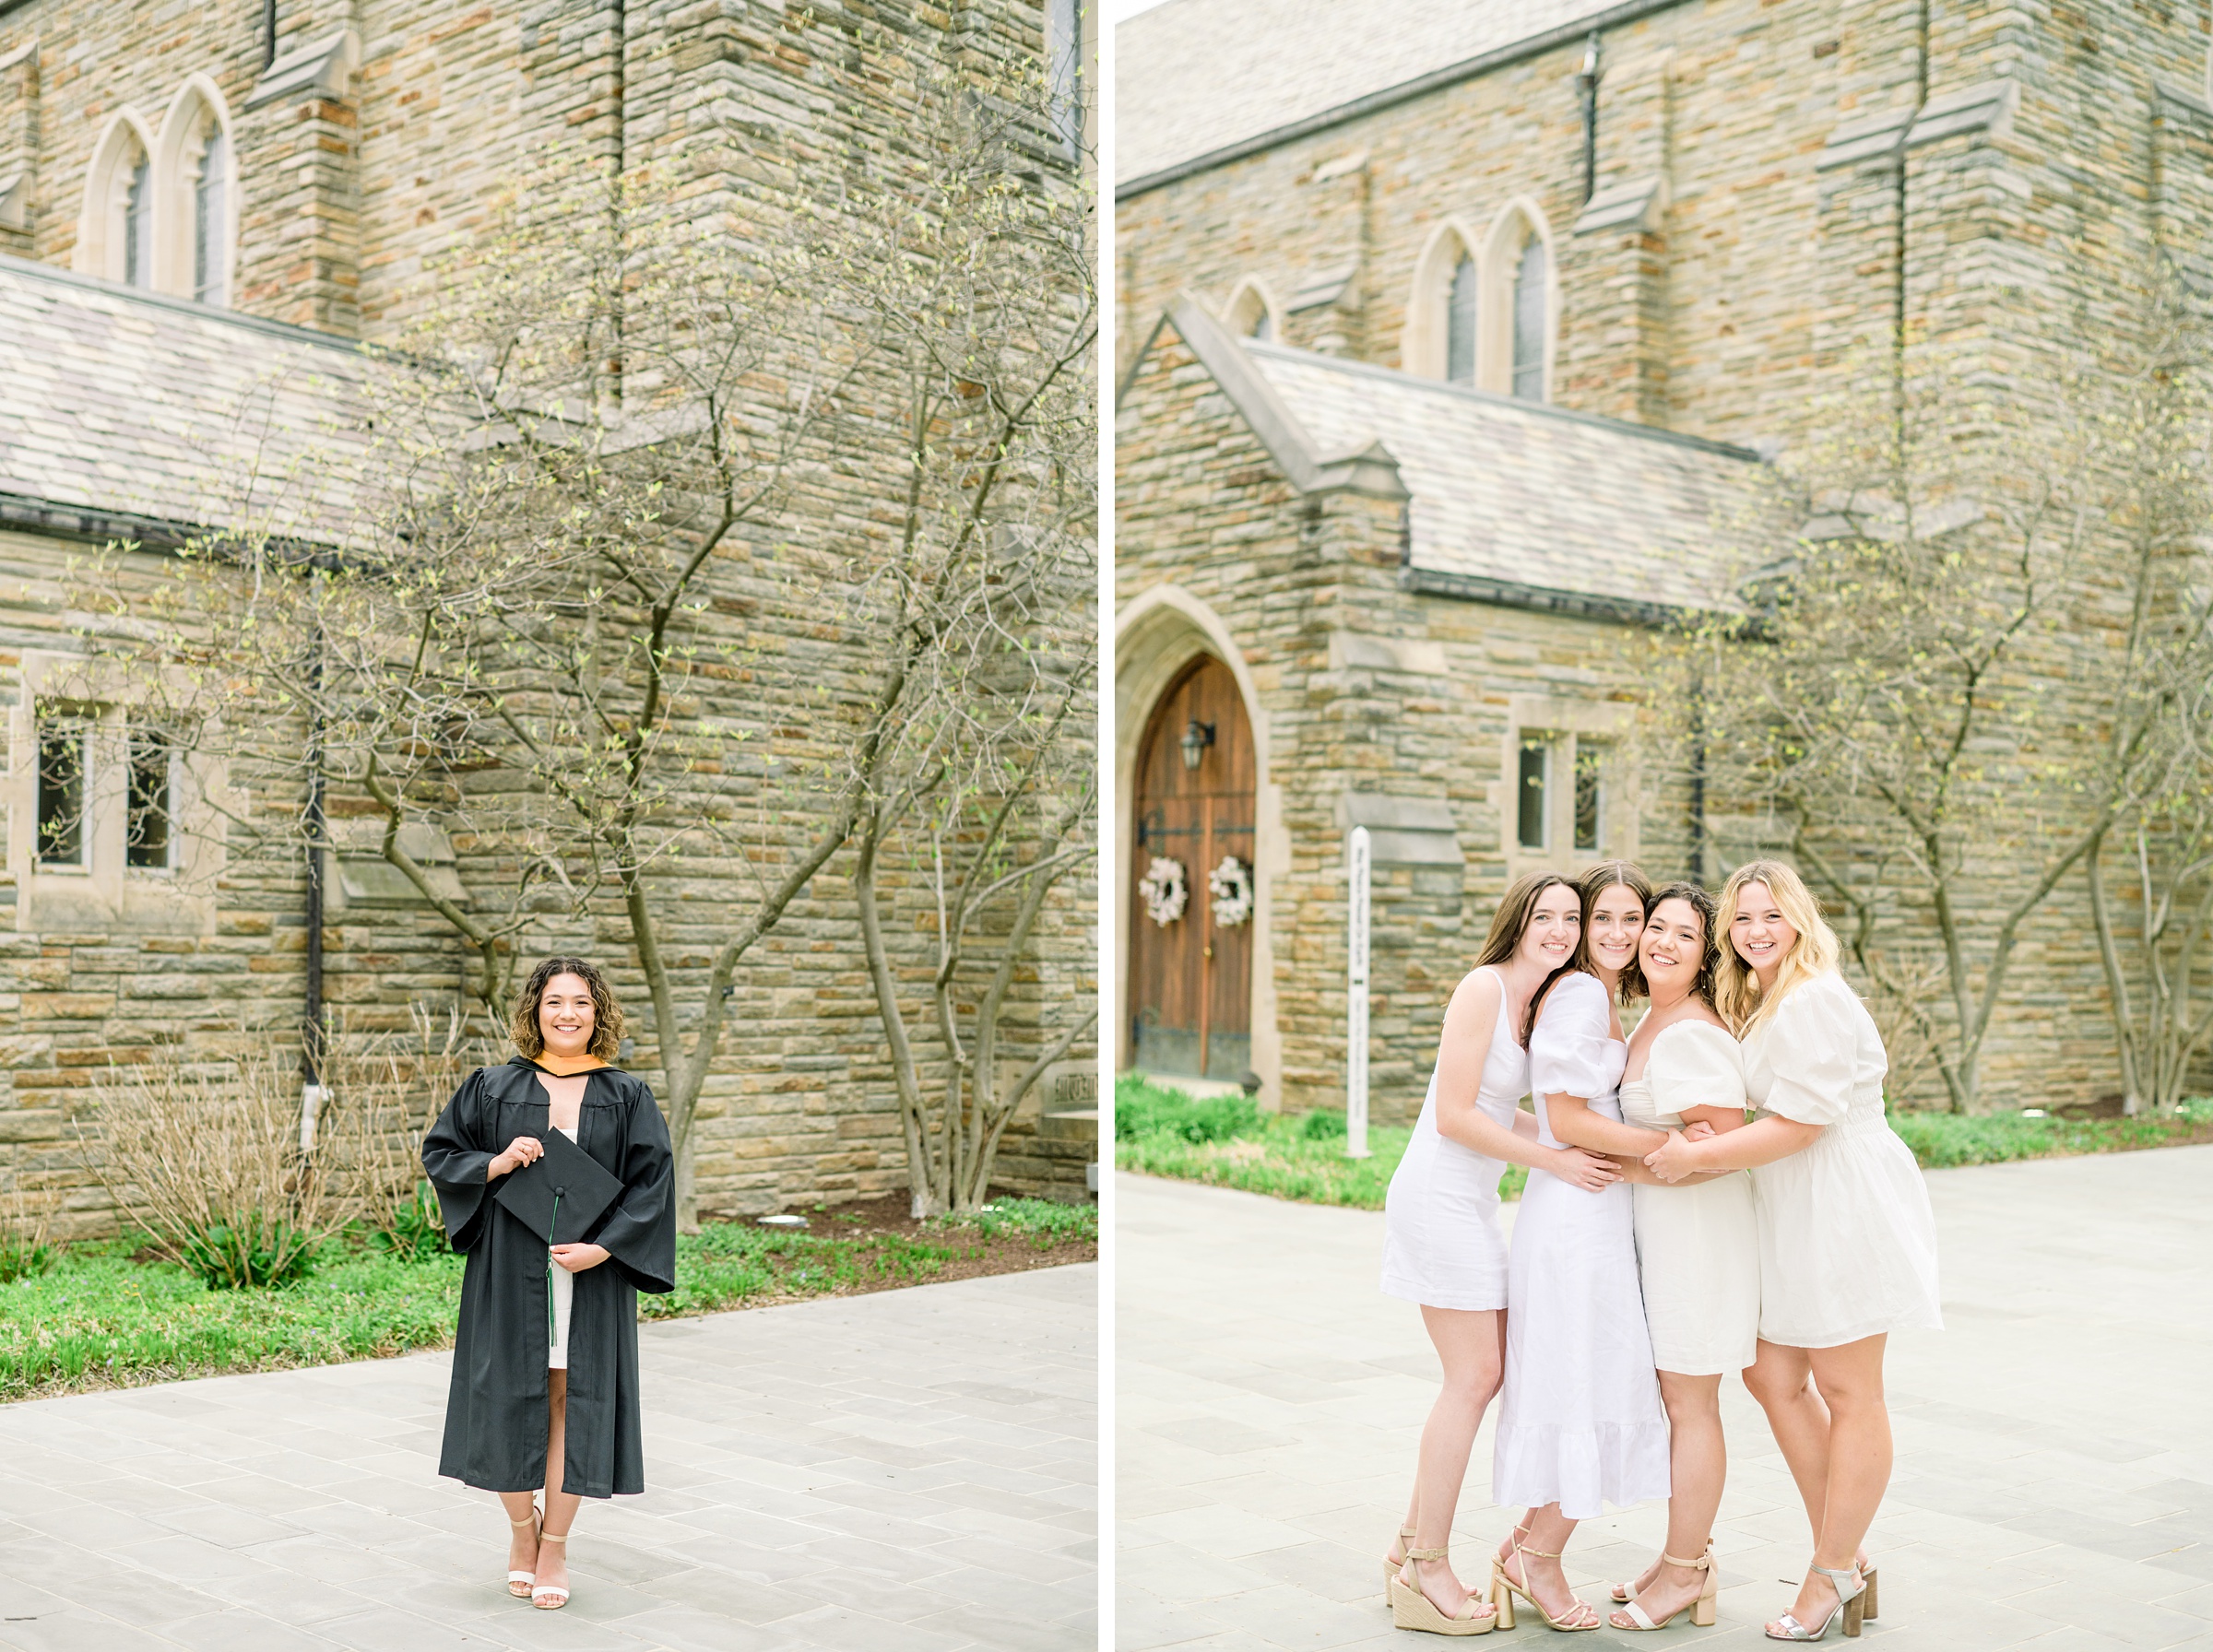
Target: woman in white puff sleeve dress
<point x="1579" y="1421"/>
<point x="1442" y="1246"/>
<point x="1697" y="1246"/>
<point x="1847" y="1239"/>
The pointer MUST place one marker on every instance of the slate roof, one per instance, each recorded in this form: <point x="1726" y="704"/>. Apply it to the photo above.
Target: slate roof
<point x="1509" y="501"/>
<point x="120" y="404"/>
<point x="1192" y="76"/>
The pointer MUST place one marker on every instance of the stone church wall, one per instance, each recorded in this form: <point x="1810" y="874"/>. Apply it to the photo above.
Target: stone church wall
<point x="1749" y="293"/>
<point x="369" y="163"/>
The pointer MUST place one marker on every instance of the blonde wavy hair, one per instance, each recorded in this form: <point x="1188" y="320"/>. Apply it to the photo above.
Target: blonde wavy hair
<point x="607" y="1014"/>
<point x="1736" y="995"/>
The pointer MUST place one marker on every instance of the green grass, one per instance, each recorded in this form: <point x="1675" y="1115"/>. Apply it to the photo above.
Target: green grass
<point x="96" y="1317"/>
<point x="1228" y="1142"/>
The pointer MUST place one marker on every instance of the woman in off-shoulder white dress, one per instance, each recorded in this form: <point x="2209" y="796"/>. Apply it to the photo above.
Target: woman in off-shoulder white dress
<point x="1847" y="1238"/>
<point x="1697" y="1246"/>
<point x="1580" y="1421"/>
<point x="1442" y="1246"/>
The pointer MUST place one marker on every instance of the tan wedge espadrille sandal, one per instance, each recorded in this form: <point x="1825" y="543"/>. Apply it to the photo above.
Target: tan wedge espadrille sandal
<point x="1411" y="1609"/>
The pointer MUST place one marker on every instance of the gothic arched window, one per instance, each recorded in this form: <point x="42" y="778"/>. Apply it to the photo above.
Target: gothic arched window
<point x="1250" y="314"/>
<point x="1530" y="295"/>
<point x="1462" y="306"/>
<point x="211" y="220"/>
<point x="138" y="222"/>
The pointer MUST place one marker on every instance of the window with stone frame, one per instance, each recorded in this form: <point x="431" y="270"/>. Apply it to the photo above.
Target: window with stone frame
<point x="1589" y="796"/>
<point x="1462" y="303"/>
<point x="1249" y="313"/>
<point x="211" y="216"/>
<point x="138" y="222"/>
<point x="1064" y="68"/>
<point x="149" y="817"/>
<point x="1532" y="788"/>
<point x="1531" y="283"/>
<point x="65" y="742"/>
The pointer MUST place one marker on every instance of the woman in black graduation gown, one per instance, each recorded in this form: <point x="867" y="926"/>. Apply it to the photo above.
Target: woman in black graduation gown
<point x="513" y="1420"/>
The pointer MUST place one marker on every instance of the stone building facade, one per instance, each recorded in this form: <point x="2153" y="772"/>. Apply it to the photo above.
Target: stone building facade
<point x="1645" y="220"/>
<point x="195" y="203"/>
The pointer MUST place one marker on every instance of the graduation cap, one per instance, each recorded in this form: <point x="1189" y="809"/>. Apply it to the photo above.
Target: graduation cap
<point x="561" y="1193"/>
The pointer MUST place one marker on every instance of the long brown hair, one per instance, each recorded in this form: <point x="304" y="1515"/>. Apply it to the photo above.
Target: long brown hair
<point x="1595" y="881"/>
<point x="1700" y="902"/>
<point x="1509" y="922"/>
<point x="607" y="1014"/>
<point x="1736" y="992"/>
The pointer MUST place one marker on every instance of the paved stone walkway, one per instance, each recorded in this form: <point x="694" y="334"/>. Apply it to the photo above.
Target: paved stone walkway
<point x="910" y="1471"/>
<point x="2054" y="1482"/>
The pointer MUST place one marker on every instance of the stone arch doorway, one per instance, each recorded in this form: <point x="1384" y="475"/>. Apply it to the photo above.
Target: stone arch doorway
<point x="1190" y="979"/>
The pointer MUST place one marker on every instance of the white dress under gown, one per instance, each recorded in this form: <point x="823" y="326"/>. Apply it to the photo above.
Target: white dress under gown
<point x="1580" y="1420"/>
<point x="1697" y="1243"/>
<point x="1847" y="1239"/>
<point x="1441" y="1243"/>
<point x="565" y="1294"/>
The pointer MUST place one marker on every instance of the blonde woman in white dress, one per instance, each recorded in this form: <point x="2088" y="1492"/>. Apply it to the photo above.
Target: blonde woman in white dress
<point x="1847" y="1239"/>
<point x="1580" y="1421"/>
<point x="1698" y="1245"/>
<point x="1442" y="1247"/>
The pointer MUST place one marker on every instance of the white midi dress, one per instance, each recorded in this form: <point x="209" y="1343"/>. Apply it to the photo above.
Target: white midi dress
<point x="1580" y="1420"/>
<point x="564" y="1293"/>
<point x="1697" y="1243"/>
<point x="1847" y="1239"/>
<point x="1442" y="1246"/>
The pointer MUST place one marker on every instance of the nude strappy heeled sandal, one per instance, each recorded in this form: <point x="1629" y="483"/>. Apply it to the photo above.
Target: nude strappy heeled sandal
<point x="1850" y="1607"/>
<point x="524" y="1578"/>
<point x="1391" y="1566"/>
<point x="1504" y="1589"/>
<point x="1868" y="1600"/>
<point x="1701" y="1607"/>
<point x="543" y="1595"/>
<point x="1411" y="1609"/>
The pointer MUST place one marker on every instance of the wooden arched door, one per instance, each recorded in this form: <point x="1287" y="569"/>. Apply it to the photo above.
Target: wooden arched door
<point x="1190" y="979"/>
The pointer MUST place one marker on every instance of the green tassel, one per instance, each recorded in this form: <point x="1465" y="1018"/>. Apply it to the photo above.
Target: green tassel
<point x="552" y="1325"/>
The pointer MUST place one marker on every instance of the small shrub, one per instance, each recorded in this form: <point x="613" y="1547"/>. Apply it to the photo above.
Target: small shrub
<point x="248" y="1251"/>
<point x="1142" y="1109"/>
<point x="1322" y="1125"/>
<point x="418" y="1228"/>
<point x="1042" y="1221"/>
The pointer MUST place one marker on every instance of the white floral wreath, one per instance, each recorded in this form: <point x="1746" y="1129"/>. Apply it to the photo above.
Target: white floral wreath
<point x="1231" y="885"/>
<point x="1165" y="890"/>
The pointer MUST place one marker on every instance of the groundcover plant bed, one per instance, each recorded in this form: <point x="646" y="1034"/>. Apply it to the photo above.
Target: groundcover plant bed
<point x="1230" y="1142"/>
<point x="100" y="1318"/>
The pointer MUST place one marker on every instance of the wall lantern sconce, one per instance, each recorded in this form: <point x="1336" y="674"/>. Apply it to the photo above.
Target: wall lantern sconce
<point x="1197" y="737"/>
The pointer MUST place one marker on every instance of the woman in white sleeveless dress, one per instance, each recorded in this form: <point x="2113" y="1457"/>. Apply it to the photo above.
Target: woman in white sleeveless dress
<point x="1847" y="1239"/>
<point x="1698" y="1245"/>
<point x="1580" y="1423"/>
<point x="1441" y="1244"/>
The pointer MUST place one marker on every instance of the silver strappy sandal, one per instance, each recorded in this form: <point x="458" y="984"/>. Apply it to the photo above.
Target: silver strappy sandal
<point x="1849" y="1606"/>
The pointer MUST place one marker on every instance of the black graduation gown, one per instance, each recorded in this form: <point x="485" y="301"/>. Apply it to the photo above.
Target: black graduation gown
<point x="495" y="1413"/>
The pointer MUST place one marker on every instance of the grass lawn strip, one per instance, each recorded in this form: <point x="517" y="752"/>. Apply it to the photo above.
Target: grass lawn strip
<point x="99" y="1319"/>
<point x="1228" y="1142"/>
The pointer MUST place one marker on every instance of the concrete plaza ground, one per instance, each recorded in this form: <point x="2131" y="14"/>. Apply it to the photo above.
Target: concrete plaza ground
<point x="2054" y="1480"/>
<point x="914" y="1469"/>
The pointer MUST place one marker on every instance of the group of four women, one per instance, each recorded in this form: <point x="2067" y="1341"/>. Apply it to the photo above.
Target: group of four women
<point x="1662" y="1241"/>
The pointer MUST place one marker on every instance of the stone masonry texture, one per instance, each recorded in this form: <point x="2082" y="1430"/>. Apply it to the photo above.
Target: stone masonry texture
<point x="1999" y="178"/>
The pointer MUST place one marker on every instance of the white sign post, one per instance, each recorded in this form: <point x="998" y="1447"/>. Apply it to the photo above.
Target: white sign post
<point x="1355" y="995"/>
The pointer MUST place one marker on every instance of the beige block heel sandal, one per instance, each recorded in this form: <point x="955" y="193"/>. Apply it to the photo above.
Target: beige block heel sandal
<point x="519" y="1583"/>
<point x="549" y="1597"/>
<point x="1411" y="1609"/>
<point x="1849" y="1607"/>
<point x="1504" y="1589"/>
<point x="1701" y="1605"/>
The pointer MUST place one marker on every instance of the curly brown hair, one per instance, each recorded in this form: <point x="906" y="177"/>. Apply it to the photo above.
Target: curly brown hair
<point x="1700" y="902"/>
<point x="607" y="1014"/>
